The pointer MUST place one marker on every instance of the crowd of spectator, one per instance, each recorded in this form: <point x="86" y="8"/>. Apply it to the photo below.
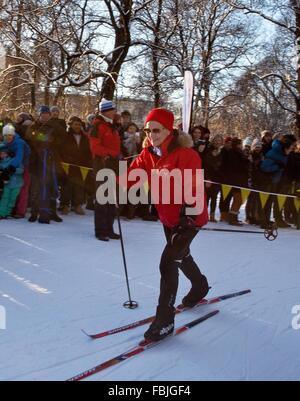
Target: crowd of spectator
<point x="33" y="152"/>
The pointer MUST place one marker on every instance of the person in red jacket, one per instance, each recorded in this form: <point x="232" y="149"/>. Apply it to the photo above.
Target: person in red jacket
<point x="168" y="150"/>
<point x="105" y="146"/>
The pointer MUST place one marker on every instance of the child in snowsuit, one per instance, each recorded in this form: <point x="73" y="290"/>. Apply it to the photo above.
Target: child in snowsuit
<point x="12" y="187"/>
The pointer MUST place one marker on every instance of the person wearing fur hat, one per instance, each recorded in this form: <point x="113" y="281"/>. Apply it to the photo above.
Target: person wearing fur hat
<point x="75" y="151"/>
<point x="105" y="144"/>
<point x="165" y="149"/>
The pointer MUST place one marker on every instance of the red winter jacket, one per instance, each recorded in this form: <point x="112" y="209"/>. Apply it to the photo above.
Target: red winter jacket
<point x="176" y="154"/>
<point x="104" y="139"/>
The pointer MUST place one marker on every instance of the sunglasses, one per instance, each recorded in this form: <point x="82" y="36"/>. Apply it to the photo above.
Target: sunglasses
<point x="152" y="131"/>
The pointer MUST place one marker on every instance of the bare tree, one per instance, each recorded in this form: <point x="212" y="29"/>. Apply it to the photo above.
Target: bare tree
<point x="285" y="15"/>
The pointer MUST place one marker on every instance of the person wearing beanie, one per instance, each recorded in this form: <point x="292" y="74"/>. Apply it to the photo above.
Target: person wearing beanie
<point x="45" y="138"/>
<point x="12" y="185"/>
<point x="20" y="152"/>
<point x="59" y="123"/>
<point x="14" y="144"/>
<point x="105" y="144"/>
<point x="166" y="149"/>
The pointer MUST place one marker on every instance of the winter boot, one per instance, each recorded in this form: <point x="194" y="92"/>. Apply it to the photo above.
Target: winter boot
<point x="224" y="217"/>
<point x="282" y="224"/>
<point x="44" y="220"/>
<point x="65" y="210"/>
<point x="197" y="292"/>
<point x="212" y="218"/>
<point x="233" y="219"/>
<point x="56" y="218"/>
<point x="113" y="235"/>
<point x="163" y="324"/>
<point x="78" y="210"/>
<point x="33" y="218"/>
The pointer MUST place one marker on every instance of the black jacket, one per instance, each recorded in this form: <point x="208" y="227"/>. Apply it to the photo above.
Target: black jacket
<point x="235" y="168"/>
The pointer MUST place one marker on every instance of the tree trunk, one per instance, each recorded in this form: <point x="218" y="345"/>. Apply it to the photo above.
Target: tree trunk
<point x="47" y="94"/>
<point x="14" y="98"/>
<point x="297" y="14"/>
<point x="122" y="44"/>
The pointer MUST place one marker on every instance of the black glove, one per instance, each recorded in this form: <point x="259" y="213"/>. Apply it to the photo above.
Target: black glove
<point x="5" y="175"/>
<point x="186" y="223"/>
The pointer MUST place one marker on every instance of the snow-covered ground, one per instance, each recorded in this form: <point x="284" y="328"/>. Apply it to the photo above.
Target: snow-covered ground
<point x="57" y="279"/>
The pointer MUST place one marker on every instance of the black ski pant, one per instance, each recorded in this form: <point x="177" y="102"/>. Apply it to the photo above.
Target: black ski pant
<point x="104" y="214"/>
<point x="176" y="255"/>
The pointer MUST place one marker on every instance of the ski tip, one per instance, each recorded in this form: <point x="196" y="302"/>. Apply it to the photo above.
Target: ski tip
<point x="87" y="334"/>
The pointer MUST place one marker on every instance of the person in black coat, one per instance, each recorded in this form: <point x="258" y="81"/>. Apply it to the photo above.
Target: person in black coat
<point x="235" y="169"/>
<point x="44" y="140"/>
<point x="212" y="162"/>
<point x="75" y="151"/>
<point x="254" y="212"/>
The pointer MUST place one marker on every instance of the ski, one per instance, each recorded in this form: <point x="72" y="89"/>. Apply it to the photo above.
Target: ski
<point x="179" y="309"/>
<point x="141" y="347"/>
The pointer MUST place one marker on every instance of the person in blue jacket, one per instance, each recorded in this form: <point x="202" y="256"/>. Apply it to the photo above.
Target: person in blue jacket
<point x="273" y="166"/>
<point x="12" y="184"/>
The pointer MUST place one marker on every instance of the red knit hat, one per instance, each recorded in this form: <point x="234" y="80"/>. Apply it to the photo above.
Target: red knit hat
<point x="162" y="116"/>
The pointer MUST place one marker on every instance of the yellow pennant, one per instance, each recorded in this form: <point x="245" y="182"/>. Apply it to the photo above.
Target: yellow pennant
<point x="84" y="172"/>
<point x="66" y="167"/>
<point x="297" y="204"/>
<point x="245" y="194"/>
<point x="281" y="201"/>
<point x="263" y="198"/>
<point x="225" y="190"/>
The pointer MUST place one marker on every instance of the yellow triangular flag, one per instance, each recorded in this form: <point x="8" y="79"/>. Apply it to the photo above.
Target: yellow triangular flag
<point x="84" y="172"/>
<point x="297" y="204"/>
<point x="245" y="193"/>
<point x="281" y="201"/>
<point x="225" y="190"/>
<point x="66" y="167"/>
<point x="263" y="198"/>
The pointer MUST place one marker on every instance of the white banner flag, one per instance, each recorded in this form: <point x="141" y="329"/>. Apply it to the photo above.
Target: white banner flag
<point x="187" y="100"/>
